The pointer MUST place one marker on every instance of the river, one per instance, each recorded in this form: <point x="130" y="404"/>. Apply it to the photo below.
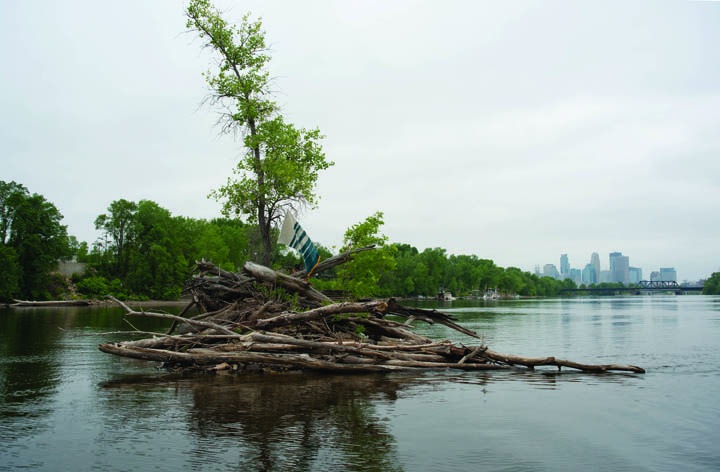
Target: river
<point x="66" y="406"/>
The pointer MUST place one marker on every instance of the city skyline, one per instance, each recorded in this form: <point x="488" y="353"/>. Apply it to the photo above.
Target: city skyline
<point x="617" y="268"/>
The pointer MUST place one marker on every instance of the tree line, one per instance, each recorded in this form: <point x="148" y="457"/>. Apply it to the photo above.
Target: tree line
<point x="146" y="252"/>
<point x="31" y="242"/>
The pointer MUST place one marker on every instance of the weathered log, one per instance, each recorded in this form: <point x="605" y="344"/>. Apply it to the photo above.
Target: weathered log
<point x="285" y="319"/>
<point x="150" y="314"/>
<point x="431" y="317"/>
<point x="325" y="347"/>
<point x="50" y="303"/>
<point x="205" y="357"/>
<point x="291" y="283"/>
<point x="533" y="362"/>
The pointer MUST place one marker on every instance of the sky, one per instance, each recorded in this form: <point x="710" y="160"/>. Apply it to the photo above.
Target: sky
<point x="514" y="131"/>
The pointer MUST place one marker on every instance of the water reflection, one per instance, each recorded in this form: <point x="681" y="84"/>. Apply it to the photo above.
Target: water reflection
<point x="28" y="373"/>
<point x="295" y="421"/>
<point x="283" y="422"/>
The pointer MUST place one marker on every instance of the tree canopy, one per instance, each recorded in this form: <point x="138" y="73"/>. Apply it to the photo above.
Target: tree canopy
<point x="32" y="240"/>
<point x="146" y="252"/>
<point x="361" y="276"/>
<point x="712" y="285"/>
<point x="280" y="167"/>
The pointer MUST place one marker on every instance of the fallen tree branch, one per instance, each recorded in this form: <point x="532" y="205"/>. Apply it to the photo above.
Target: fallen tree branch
<point x="332" y="262"/>
<point x="533" y="362"/>
<point x="150" y="314"/>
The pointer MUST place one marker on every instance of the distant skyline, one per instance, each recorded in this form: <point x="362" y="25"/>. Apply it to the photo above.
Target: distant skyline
<point x="605" y="265"/>
<point x="515" y="131"/>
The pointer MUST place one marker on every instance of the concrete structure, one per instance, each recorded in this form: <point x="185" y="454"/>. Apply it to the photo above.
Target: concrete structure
<point x="68" y="268"/>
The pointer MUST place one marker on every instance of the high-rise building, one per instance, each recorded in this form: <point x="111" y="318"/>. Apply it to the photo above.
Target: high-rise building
<point x="549" y="270"/>
<point x="589" y="275"/>
<point x="564" y="266"/>
<point x="668" y="274"/>
<point x="576" y="276"/>
<point x="622" y="270"/>
<point x="619" y="268"/>
<point x="595" y="262"/>
<point x="635" y="274"/>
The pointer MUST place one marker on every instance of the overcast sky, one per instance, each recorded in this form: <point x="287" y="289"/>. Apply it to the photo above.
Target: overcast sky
<point x="515" y="131"/>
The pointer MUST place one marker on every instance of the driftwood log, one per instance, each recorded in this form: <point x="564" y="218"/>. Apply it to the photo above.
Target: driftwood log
<point x="50" y="303"/>
<point x="261" y="319"/>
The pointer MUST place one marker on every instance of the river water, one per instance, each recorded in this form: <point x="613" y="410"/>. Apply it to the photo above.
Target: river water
<point x="66" y="406"/>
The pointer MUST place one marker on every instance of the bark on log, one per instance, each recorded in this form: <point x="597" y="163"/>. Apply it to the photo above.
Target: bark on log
<point x="285" y="319"/>
<point x="296" y="285"/>
<point x="533" y="362"/>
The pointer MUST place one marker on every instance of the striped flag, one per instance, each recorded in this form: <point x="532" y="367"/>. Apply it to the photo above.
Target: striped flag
<point x="292" y="235"/>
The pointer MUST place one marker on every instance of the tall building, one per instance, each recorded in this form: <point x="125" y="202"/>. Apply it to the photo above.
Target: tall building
<point x="613" y="259"/>
<point x="549" y="270"/>
<point x="595" y="262"/>
<point x="622" y="270"/>
<point x="668" y="274"/>
<point x="635" y="274"/>
<point x="619" y="268"/>
<point x="564" y="266"/>
<point x="589" y="275"/>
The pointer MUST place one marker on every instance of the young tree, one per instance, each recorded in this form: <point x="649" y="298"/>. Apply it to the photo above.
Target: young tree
<point x="37" y="241"/>
<point x="11" y="194"/>
<point x="361" y="276"/>
<point x="280" y="167"/>
<point x="119" y="224"/>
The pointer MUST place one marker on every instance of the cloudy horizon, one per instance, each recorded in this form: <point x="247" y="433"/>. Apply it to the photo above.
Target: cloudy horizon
<point x="515" y="131"/>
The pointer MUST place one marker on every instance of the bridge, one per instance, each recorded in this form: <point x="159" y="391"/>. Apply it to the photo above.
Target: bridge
<point x="644" y="286"/>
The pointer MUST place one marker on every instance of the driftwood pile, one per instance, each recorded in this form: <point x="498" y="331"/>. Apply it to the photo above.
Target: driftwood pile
<point x="260" y="319"/>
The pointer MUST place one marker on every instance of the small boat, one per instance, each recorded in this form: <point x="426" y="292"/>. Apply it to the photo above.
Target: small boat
<point x="491" y="295"/>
